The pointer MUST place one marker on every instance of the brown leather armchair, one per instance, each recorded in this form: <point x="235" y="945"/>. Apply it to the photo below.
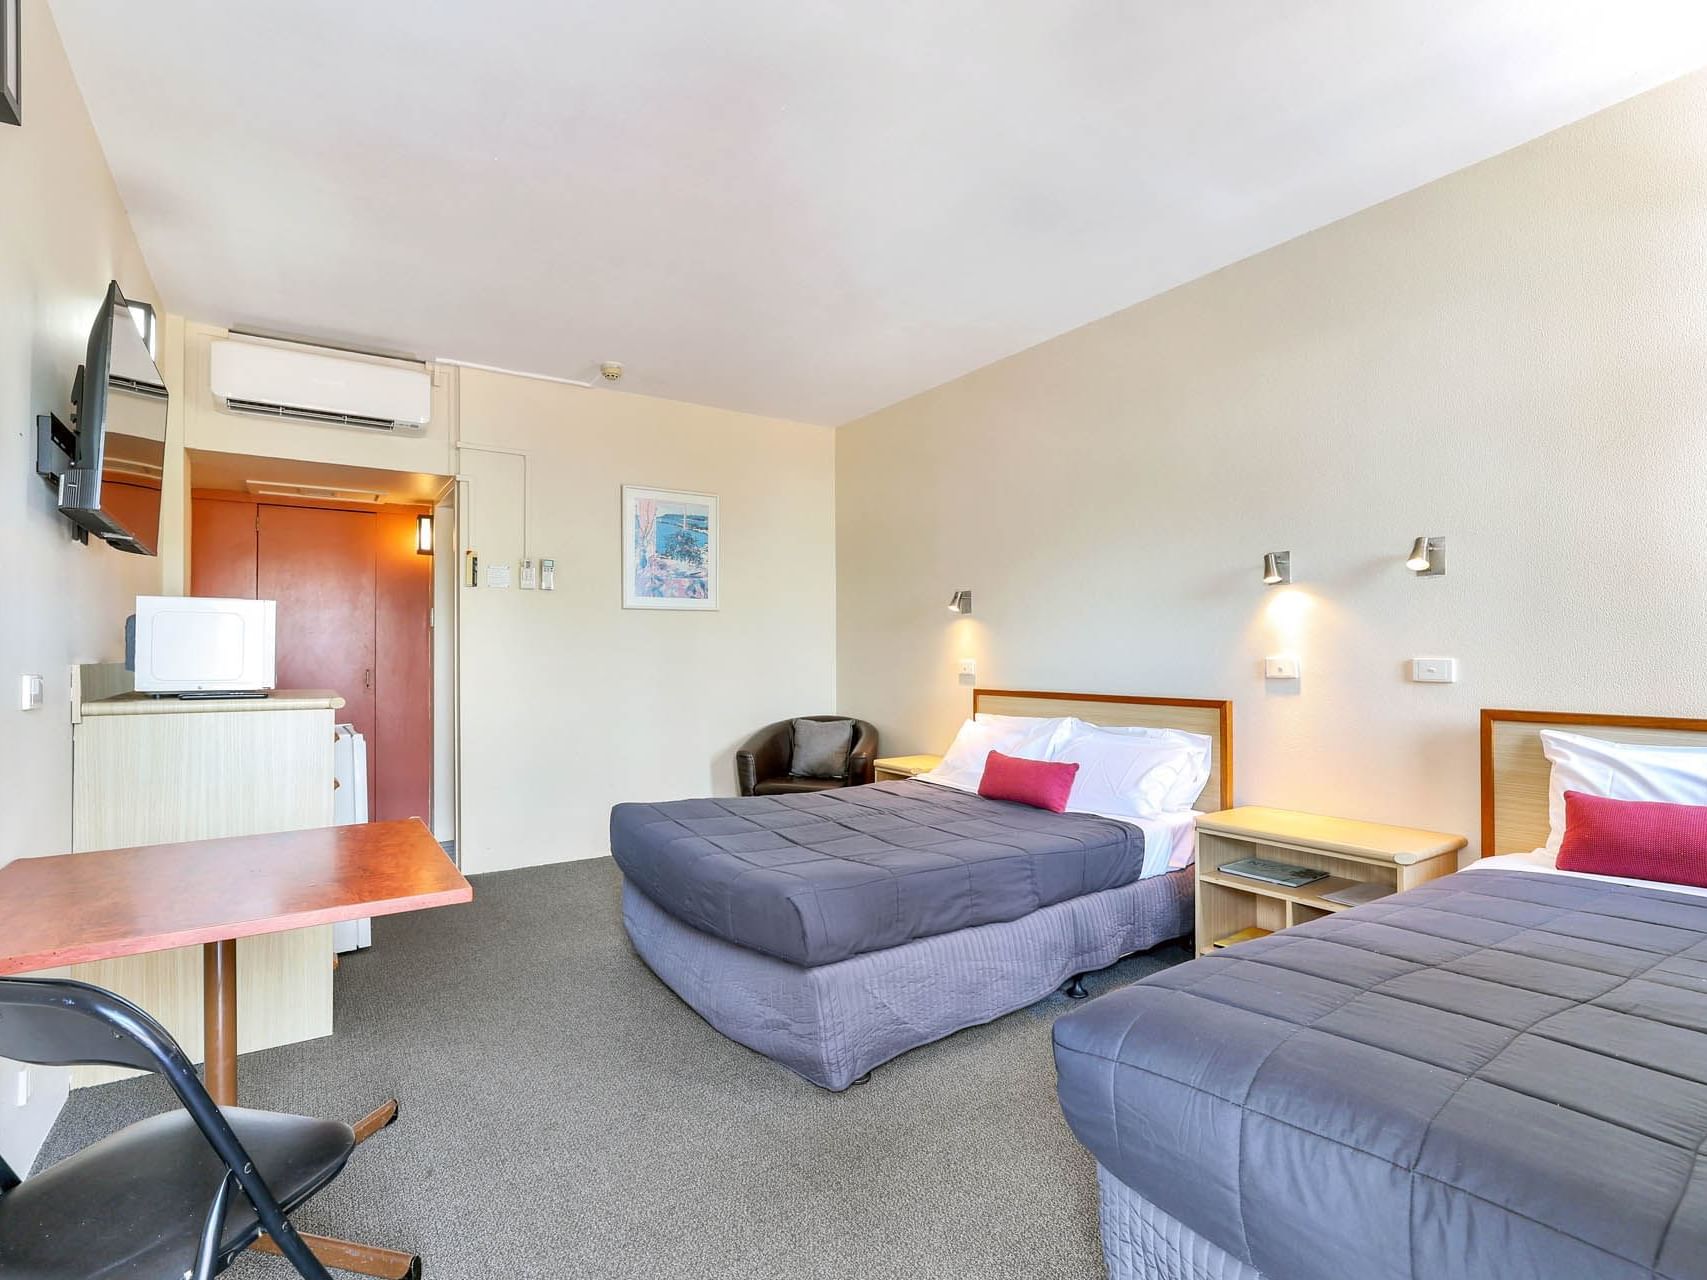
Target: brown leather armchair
<point x="761" y="765"/>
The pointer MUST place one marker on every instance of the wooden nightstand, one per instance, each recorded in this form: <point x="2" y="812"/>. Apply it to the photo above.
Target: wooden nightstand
<point x="896" y="768"/>
<point x="1232" y="909"/>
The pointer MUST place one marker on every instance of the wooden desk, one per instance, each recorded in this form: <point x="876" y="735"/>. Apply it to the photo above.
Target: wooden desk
<point x="80" y="907"/>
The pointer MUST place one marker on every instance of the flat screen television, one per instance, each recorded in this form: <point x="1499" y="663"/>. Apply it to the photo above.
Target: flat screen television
<point x="112" y="487"/>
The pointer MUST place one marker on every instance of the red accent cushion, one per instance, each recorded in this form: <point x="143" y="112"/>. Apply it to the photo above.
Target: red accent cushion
<point x="1038" y="783"/>
<point x="1637" y="839"/>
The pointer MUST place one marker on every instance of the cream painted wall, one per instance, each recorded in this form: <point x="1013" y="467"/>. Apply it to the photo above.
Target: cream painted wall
<point x="63" y="236"/>
<point x="1514" y="357"/>
<point x="570" y="703"/>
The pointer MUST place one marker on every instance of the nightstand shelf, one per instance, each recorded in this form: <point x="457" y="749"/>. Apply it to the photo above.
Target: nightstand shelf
<point x="898" y="768"/>
<point x="1231" y="909"/>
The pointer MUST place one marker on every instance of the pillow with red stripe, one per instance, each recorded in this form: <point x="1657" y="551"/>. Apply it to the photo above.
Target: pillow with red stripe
<point x="1042" y="784"/>
<point x="1636" y="839"/>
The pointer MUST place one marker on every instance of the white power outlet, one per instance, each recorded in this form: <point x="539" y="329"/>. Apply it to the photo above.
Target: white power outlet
<point x="968" y="667"/>
<point x="1281" y="666"/>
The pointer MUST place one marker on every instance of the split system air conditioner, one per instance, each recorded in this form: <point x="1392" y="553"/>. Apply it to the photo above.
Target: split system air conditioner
<point x="312" y="384"/>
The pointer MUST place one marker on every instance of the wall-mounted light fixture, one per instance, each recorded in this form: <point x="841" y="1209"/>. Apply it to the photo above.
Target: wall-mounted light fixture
<point x="1427" y="558"/>
<point x="1277" y="568"/>
<point x="960" y="602"/>
<point x="423" y="535"/>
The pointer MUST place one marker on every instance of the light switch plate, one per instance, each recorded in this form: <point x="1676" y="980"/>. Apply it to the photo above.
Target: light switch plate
<point x="968" y="667"/>
<point x="29" y="693"/>
<point x="1281" y="666"/>
<point x="1434" y="670"/>
<point x="527" y="578"/>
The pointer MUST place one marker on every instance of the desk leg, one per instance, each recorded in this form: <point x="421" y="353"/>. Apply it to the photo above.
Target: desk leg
<point x="219" y="1020"/>
<point x="219" y="1053"/>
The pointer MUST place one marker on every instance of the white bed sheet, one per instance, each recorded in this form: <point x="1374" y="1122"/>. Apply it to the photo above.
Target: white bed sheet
<point x="1540" y="860"/>
<point x="1170" y="840"/>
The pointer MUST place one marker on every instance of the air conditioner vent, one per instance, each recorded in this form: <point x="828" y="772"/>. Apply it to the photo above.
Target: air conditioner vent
<point x="328" y="417"/>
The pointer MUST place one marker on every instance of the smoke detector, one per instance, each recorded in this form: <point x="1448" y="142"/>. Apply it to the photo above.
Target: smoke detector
<point x="611" y="370"/>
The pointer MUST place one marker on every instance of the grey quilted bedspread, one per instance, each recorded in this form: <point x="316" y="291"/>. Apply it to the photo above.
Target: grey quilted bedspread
<point x="1496" y="1075"/>
<point x="819" y="877"/>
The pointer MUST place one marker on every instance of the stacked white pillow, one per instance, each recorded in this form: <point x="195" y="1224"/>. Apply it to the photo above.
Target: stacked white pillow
<point x="1133" y="771"/>
<point x="1027" y="737"/>
<point x="1124" y="772"/>
<point x="1619" y="770"/>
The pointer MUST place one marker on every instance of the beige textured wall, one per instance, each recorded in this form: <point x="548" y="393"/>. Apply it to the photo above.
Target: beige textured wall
<point x="63" y="236"/>
<point x="1514" y="357"/>
<point x="570" y="703"/>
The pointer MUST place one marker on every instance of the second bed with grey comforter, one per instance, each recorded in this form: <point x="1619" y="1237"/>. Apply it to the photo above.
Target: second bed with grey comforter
<point x="1495" y="1076"/>
<point x="833" y="931"/>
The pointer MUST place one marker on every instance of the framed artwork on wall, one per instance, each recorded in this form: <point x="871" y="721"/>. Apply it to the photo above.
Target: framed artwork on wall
<point x="669" y="549"/>
<point x="11" y="62"/>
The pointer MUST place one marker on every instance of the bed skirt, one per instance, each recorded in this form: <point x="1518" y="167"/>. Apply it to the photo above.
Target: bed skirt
<point x="834" y="1022"/>
<point x="1140" y="1242"/>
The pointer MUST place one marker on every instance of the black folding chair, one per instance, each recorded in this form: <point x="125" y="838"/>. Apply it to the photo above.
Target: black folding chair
<point x="154" y="1201"/>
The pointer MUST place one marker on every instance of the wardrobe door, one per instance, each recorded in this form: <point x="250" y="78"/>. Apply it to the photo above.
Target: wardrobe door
<point x="403" y="680"/>
<point x="319" y="566"/>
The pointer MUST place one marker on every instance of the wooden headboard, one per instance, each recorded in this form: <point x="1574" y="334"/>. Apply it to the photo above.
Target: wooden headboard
<point x="1515" y="772"/>
<point x="1210" y="716"/>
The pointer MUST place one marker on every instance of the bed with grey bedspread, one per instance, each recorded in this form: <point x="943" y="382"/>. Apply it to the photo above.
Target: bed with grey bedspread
<point x="833" y="931"/>
<point x="822" y="876"/>
<point x="1495" y="1075"/>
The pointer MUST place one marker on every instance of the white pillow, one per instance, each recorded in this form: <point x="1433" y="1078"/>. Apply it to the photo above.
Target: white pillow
<point x="1134" y="775"/>
<point x="1028" y="737"/>
<point x="1198" y="747"/>
<point x="1619" y="770"/>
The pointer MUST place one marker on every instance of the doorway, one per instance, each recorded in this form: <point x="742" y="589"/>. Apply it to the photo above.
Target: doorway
<point x="355" y="615"/>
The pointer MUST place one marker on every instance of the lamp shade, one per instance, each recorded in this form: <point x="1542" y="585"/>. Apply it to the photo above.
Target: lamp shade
<point x="1427" y="558"/>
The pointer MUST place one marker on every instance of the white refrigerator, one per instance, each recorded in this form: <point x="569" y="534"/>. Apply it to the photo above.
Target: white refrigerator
<point x="349" y="804"/>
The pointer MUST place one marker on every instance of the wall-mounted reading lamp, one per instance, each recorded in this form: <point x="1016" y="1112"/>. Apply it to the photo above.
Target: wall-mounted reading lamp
<point x="960" y="602"/>
<point x="423" y="535"/>
<point x="1427" y="558"/>
<point x="1277" y="568"/>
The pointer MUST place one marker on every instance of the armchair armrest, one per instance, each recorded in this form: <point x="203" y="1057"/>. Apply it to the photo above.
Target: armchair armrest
<point x="764" y="755"/>
<point x="863" y="757"/>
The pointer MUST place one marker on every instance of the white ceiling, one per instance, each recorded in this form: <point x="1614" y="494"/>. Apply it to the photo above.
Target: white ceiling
<point x="805" y="208"/>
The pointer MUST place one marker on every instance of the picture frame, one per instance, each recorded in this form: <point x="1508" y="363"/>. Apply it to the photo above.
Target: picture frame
<point x="669" y="548"/>
<point x="11" y="62"/>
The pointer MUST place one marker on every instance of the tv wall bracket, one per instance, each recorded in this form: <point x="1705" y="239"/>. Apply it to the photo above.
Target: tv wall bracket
<point x="56" y="449"/>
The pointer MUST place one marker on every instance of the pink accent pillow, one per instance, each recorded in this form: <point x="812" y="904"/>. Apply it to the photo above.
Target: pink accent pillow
<point x="1038" y="783"/>
<point x="1636" y="839"/>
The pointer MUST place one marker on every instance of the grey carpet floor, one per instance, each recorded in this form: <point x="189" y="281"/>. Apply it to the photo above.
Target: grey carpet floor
<point x="564" y="1114"/>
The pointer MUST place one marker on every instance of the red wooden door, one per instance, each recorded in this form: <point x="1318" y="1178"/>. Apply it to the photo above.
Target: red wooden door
<point x="222" y="548"/>
<point x="319" y="566"/>
<point x="402" y="745"/>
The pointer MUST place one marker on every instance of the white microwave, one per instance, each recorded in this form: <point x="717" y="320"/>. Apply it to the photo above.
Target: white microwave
<point x="203" y="645"/>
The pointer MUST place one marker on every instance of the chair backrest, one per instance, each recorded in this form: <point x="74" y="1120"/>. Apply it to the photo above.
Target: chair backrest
<point x="60" y="1023"/>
